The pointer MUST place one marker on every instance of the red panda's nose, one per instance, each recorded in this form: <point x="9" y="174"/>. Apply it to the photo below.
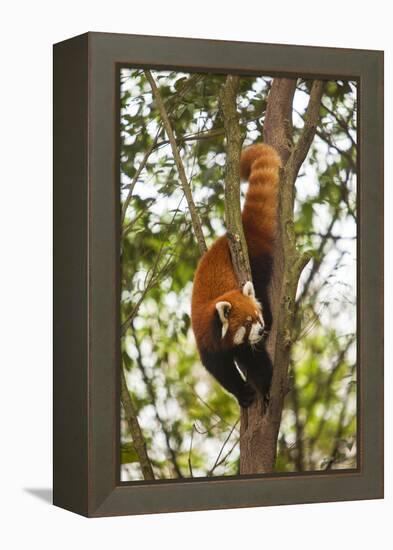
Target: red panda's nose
<point x="261" y="331"/>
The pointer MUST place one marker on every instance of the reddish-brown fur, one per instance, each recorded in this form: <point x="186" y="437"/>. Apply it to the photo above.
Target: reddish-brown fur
<point x="215" y="279"/>
<point x="220" y="309"/>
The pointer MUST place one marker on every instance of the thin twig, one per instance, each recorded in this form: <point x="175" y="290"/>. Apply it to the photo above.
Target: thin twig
<point x="340" y="426"/>
<point x="136" y="176"/>
<point x="196" y="222"/>
<point x="135" y="429"/>
<point x="152" y="276"/>
<point x="226" y="456"/>
<point x="208" y="406"/>
<point x="187" y="86"/>
<point x="189" y="452"/>
<point x="207" y="134"/>
<point x="317" y="260"/>
<point x="323" y="393"/>
<point x="153" y="401"/>
<point x="343" y="125"/>
<point x="299" y="425"/>
<point x="311" y="118"/>
<point x="222" y="448"/>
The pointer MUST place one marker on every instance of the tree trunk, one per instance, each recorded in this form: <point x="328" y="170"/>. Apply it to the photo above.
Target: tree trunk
<point x="260" y="426"/>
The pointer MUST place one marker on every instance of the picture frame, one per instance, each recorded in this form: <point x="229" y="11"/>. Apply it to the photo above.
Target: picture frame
<point x="86" y="382"/>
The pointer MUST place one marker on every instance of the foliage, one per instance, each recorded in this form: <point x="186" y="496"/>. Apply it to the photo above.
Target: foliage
<point x="189" y="422"/>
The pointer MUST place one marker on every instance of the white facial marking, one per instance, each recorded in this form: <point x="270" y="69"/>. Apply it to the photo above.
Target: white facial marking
<point x="224" y="329"/>
<point x="239" y="336"/>
<point x="256" y="333"/>
<point x="223" y="309"/>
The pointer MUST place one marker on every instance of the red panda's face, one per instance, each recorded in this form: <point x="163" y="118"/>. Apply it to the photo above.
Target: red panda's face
<point x="241" y="317"/>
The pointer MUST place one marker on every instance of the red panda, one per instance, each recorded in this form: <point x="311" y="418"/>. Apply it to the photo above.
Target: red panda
<point x="230" y="323"/>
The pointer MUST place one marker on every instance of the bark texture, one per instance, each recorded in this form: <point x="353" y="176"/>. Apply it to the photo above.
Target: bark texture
<point x="233" y="217"/>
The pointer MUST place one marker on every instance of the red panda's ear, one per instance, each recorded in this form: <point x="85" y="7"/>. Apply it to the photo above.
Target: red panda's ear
<point x="248" y="289"/>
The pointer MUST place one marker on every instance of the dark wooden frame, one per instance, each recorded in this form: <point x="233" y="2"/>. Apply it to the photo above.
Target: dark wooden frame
<point x="86" y="274"/>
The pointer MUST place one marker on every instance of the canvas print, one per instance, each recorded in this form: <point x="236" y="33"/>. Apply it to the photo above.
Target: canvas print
<point x="238" y="275"/>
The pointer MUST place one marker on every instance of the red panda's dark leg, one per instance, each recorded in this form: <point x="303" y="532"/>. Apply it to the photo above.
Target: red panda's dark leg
<point x="222" y="367"/>
<point x="257" y="366"/>
<point x="261" y="268"/>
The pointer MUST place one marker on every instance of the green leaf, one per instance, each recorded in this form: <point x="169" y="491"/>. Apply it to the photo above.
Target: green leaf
<point x="128" y="454"/>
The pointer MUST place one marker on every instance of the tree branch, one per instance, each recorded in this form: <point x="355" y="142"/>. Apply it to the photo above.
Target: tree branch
<point x="340" y="426"/>
<point x="343" y="125"/>
<point x="278" y="126"/>
<point x="135" y="429"/>
<point x="190" y="451"/>
<point x="196" y="223"/>
<point x="153" y="401"/>
<point x="299" y="152"/>
<point x="299" y="426"/>
<point x="136" y="176"/>
<point x="233" y="219"/>
<point x="259" y="437"/>
<point x="155" y="274"/>
<point x="192" y="81"/>
<point x="317" y="260"/>
<point x="324" y="393"/>
<point x="218" y="462"/>
<point x="209" y="134"/>
<point x="259" y="431"/>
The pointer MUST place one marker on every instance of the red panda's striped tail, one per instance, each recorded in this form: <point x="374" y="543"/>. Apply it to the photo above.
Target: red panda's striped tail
<point x="260" y="164"/>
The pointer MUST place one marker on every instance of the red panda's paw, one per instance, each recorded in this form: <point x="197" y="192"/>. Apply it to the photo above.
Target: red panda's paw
<point x="247" y="395"/>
